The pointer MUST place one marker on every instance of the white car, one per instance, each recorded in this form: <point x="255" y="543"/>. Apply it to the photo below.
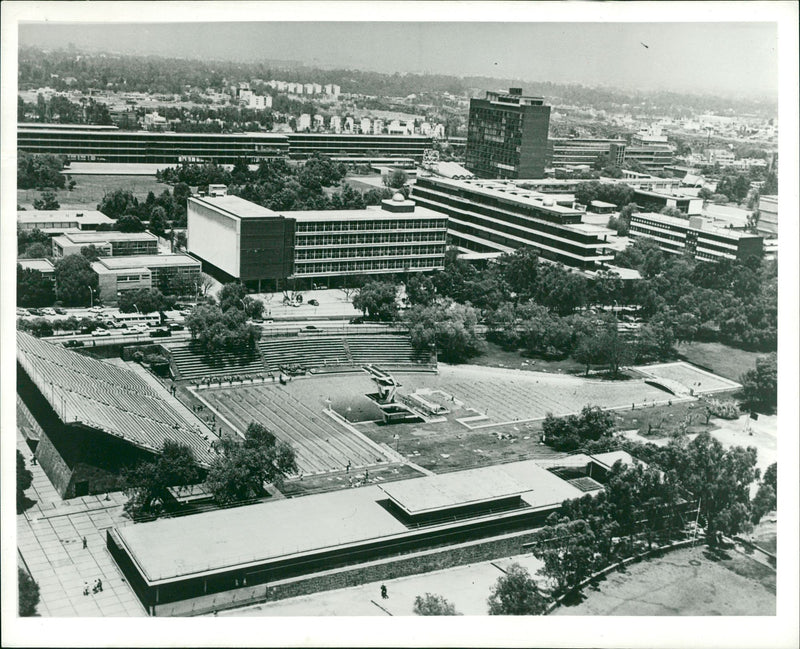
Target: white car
<point x="101" y="332"/>
<point x="48" y="311"/>
<point x="96" y="309"/>
<point x="21" y="313"/>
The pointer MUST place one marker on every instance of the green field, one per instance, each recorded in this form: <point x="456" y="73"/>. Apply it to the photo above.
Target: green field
<point x="720" y="359"/>
<point x="90" y="189"/>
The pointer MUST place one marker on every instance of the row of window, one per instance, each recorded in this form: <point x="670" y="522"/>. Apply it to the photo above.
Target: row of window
<point x="385" y="251"/>
<point x="337" y="240"/>
<point x="388" y="265"/>
<point x="377" y="225"/>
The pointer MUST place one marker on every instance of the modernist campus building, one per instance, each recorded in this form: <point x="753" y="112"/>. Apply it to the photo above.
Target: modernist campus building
<point x="264" y="551"/>
<point x="494" y="217"/>
<point x="507" y="135"/>
<point x="109" y="144"/>
<point x="110" y="243"/>
<point x="704" y="241"/>
<point x="239" y="240"/>
<point x="119" y="274"/>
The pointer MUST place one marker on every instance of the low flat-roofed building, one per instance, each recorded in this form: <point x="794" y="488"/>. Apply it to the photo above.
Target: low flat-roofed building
<point x="705" y="242"/>
<point x="44" y="266"/>
<point x="60" y="221"/>
<point x="110" y="243"/>
<point x="118" y="274"/>
<point x="649" y="200"/>
<point x="265" y="542"/>
<point x="237" y="239"/>
<point x="768" y="215"/>
<point x="601" y="207"/>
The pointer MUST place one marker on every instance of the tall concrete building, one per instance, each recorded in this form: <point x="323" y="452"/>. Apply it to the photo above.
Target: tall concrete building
<point x="507" y="135"/>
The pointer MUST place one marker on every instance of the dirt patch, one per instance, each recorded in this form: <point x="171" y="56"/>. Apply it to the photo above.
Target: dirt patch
<point x="684" y="582"/>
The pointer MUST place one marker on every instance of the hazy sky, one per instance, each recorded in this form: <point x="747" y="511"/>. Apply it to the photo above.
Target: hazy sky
<point x="720" y="58"/>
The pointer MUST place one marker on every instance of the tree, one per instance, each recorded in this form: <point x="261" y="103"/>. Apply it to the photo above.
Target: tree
<point x="447" y="326"/>
<point x="571" y="432"/>
<point x="377" y="300"/>
<point x="241" y="470"/>
<point x="46" y="201"/>
<point x="567" y="551"/>
<point x="516" y="593"/>
<point x="147" y="485"/>
<point x="24" y="481"/>
<point x="28" y="238"/>
<point x="28" y="594"/>
<point x="33" y="288"/>
<point x="212" y="330"/>
<point x="180" y="241"/>
<point x="396" y="179"/>
<point x="158" y="221"/>
<point x="130" y="223"/>
<point x="36" y="251"/>
<point x="204" y="284"/>
<point x="420" y="290"/>
<point x="92" y="252"/>
<point x="431" y="604"/>
<point x="764" y="501"/>
<point x="118" y="203"/>
<point x="520" y="271"/>
<point x="231" y="296"/>
<point x="38" y="327"/>
<point x="143" y="300"/>
<point x="39" y="170"/>
<point x="75" y="280"/>
<point x="760" y="385"/>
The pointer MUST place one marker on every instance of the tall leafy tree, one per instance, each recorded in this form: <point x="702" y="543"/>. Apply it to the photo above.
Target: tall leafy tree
<point x="47" y="201"/>
<point x="74" y="280"/>
<point x="28" y="594"/>
<point x="33" y="288"/>
<point x="430" y="604"/>
<point x="377" y="300"/>
<point x="760" y="385"/>
<point x="516" y="593"/>
<point x="24" y="481"/>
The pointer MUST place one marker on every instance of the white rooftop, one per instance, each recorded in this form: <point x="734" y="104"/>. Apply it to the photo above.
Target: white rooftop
<point x="235" y="206"/>
<point x="148" y="261"/>
<point x="92" y="217"/>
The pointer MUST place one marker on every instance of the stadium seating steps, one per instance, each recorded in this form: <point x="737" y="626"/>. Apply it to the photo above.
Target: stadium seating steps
<point x="319" y="352"/>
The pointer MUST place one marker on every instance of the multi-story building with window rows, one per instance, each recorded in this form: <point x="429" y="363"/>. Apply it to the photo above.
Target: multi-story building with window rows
<point x="108" y="144"/>
<point x="565" y="152"/>
<point x="496" y="217"/>
<point x="237" y="239"/>
<point x="110" y="243"/>
<point x="507" y="135"/>
<point x="696" y="236"/>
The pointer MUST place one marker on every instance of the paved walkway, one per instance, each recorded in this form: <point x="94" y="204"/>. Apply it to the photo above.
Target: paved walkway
<point x="467" y="587"/>
<point x="50" y="543"/>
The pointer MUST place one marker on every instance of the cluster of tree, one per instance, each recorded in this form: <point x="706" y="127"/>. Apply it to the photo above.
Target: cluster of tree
<point x="617" y="193"/>
<point x="60" y="110"/>
<point x="760" y="385"/>
<point x="734" y="302"/>
<point x="734" y="186"/>
<point x="447" y="326"/>
<point x="76" y="282"/>
<point x="33" y="288"/>
<point x="574" y="431"/>
<point x="24" y="482"/>
<point x="377" y="300"/>
<point x="242" y="469"/>
<point x="28" y="594"/>
<point x="516" y="593"/>
<point x="766" y="498"/>
<point x="143" y="300"/>
<point x="40" y="327"/>
<point x="159" y="212"/>
<point x="224" y="326"/>
<point x="33" y="244"/>
<point x="38" y="171"/>
<point x="430" y="604"/>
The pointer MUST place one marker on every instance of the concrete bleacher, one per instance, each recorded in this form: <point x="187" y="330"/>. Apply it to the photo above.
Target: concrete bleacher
<point x="191" y="364"/>
<point x="307" y="352"/>
<point x="100" y="395"/>
<point x="385" y="350"/>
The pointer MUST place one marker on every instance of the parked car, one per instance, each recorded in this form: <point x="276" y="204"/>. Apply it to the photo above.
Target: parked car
<point x="161" y="332"/>
<point x="60" y="311"/>
<point x="21" y="313"/>
<point x="35" y="312"/>
<point x="101" y="332"/>
<point x="310" y="327"/>
<point x="176" y="326"/>
<point x="73" y="343"/>
<point x="96" y="309"/>
<point x="313" y="302"/>
<point x="48" y="311"/>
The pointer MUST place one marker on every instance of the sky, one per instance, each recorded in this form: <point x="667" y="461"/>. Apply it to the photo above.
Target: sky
<point x="713" y="58"/>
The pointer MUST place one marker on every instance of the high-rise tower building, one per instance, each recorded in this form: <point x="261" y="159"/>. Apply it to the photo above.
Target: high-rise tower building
<point x="507" y="135"/>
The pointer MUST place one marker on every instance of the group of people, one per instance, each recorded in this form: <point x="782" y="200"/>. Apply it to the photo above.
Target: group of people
<point x="97" y="587"/>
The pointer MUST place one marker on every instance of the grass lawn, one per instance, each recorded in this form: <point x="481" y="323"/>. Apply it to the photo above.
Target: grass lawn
<point x="90" y="189"/>
<point x="660" y="421"/>
<point x="720" y="359"/>
<point x="496" y="356"/>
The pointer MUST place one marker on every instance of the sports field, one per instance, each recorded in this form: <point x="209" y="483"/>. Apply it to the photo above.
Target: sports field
<point x="684" y="582"/>
<point x="322" y="443"/>
<point x="89" y="190"/>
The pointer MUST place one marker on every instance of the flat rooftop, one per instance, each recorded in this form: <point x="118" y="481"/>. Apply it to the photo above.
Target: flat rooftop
<point x="92" y="217"/>
<point x="110" y="235"/>
<point x="149" y="261"/>
<point x="371" y="213"/>
<point x="42" y="265"/>
<point x="257" y="533"/>
<point x="269" y="531"/>
<point x="235" y="206"/>
<point x="537" y="486"/>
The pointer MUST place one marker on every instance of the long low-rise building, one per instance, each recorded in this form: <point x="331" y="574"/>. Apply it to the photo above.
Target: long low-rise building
<point x="488" y="216"/>
<point x="245" y="548"/>
<point x="109" y="243"/>
<point x="60" y="221"/>
<point x="651" y="200"/>
<point x="237" y="239"/>
<point x="119" y="274"/>
<point x="114" y="145"/>
<point x="696" y="236"/>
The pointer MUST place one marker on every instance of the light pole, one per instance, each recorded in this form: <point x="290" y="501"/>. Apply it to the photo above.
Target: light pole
<point x="137" y="309"/>
<point x="91" y="296"/>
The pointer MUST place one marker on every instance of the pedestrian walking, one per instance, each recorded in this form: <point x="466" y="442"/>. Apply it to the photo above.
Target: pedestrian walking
<point x="86" y="588"/>
<point x="84" y="542"/>
<point x="384" y="592"/>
